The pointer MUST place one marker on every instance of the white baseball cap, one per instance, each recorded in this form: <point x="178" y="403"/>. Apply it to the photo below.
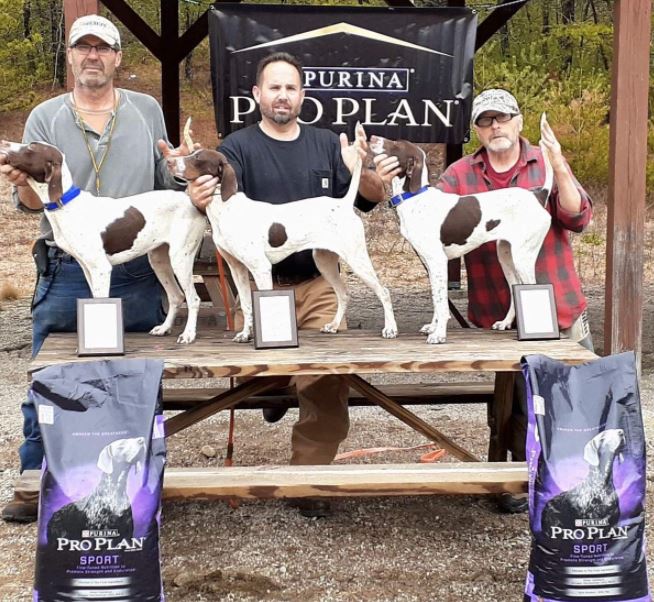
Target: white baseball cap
<point x="494" y="99"/>
<point x="95" y="25"/>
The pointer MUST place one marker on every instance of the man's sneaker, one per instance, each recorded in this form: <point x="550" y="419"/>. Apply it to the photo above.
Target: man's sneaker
<point x="513" y="504"/>
<point x="274" y="414"/>
<point x="23" y="508"/>
<point x="311" y="507"/>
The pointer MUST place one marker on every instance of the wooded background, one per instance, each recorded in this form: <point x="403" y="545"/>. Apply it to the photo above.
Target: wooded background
<point x="554" y="55"/>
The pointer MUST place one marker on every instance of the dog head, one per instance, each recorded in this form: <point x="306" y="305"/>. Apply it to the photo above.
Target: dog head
<point x="410" y="157"/>
<point x="121" y="452"/>
<point x="604" y="447"/>
<point x="207" y="162"/>
<point x="42" y="162"/>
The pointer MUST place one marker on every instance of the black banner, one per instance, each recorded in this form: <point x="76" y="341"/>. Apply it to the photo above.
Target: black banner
<point x="402" y="72"/>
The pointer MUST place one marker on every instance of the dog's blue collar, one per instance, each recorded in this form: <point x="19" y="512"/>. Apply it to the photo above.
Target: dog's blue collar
<point x="66" y="197"/>
<point x="399" y="198"/>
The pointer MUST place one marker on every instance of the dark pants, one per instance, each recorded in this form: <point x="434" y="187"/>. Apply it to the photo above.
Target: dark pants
<point x="54" y="309"/>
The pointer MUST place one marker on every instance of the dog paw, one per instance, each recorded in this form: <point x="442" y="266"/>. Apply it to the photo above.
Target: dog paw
<point x="427" y="329"/>
<point x="502" y="325"/>
<point x="186" y="337"/>
<point x="159" y="331"/>
<point x="435" y="338"/>
<point x="242" y="337"/>
<point x="330" y="328"/>
<point x="389" y="333"/>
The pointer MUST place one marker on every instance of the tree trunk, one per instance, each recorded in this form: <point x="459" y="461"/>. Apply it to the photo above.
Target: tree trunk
<point x="602" y="54"/>
<point x="27" y="18"/>
<point x="188" y="60"/>
<point x="567" y="17"/>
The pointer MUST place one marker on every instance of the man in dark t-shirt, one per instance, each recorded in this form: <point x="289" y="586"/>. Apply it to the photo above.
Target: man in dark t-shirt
<point x="279" y="161"/>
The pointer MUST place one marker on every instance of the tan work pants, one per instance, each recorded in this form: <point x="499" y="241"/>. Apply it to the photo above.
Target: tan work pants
<point x="324" y="421"/>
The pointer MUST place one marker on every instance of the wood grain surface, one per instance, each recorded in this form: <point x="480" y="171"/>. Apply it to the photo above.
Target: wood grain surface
<point x="214" y="354"/>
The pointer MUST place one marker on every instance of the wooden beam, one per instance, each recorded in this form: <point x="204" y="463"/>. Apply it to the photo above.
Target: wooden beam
<point x="193" y="36"/>
<point x="409" y="418"/>
<point x="170" y="68"/>
<point x="497" y="19"/>
<point x="349" y="480"/>
<point x="223" y="401"/>
<point x="72" y="10"/>
<point x="141" y="30"/>
<point x="623" y="318"/>
<point x="499" y="416"/>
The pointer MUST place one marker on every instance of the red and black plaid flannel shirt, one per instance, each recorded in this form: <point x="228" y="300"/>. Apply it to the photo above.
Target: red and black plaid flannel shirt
<point x="488" y="292"/>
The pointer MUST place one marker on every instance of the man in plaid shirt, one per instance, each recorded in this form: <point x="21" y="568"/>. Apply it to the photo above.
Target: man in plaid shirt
<point x="506" y="159"/>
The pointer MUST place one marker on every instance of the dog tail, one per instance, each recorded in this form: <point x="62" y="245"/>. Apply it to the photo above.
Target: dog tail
<point x="353" y="190"/>
<point x="543" y="192"/>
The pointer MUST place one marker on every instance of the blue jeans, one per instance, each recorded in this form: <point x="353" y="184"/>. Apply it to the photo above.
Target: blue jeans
<point x="54" y="309"/>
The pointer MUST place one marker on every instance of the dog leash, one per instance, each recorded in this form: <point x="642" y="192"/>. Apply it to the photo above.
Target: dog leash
<point x="434" y="455"/>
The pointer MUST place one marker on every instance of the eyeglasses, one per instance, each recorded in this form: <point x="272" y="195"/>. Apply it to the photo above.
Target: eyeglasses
<point x="484" y="122"/>
<point x="101" y="49"/>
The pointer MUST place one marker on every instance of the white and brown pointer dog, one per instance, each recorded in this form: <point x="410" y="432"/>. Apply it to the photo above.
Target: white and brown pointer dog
<point x="253" y="235"/>
<point x="443" y="226"/>
<point x="102" y="232"/>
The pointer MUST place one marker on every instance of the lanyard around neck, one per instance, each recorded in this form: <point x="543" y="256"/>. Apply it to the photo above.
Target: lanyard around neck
<point x="97" y="165"/>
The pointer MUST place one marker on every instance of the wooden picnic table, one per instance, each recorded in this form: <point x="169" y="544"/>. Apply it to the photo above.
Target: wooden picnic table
<point x="351" y="354"/>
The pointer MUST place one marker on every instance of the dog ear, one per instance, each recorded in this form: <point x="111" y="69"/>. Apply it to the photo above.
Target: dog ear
<point x="53" y="178"/>
<point x="590" y="452"/>
<point x="228" y="182"/>
<point x="105" y="460"/>
<point x="414" y="172"/>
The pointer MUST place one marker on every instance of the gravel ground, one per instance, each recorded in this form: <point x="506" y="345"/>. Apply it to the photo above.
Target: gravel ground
<point x="443" y="548"/>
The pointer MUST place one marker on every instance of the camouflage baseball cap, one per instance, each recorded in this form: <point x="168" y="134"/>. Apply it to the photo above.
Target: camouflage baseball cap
<point x="494" y="99"/>
<point x="94" y="25"/>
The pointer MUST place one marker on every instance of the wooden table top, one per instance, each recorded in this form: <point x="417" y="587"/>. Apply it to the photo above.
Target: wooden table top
<point x="214" y="354"/>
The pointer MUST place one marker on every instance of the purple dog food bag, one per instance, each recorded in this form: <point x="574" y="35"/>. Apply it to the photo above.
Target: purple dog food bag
<point x="100" y="505"/>
<point x="586" y="463"/>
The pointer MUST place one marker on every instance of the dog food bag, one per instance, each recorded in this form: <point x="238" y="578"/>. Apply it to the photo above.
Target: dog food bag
<point x="100" y="505"/>
<point x="586" y="463"/>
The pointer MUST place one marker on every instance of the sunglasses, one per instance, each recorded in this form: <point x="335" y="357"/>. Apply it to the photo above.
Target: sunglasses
<point x="484" y="122"/>
<point x="101" y="49"/>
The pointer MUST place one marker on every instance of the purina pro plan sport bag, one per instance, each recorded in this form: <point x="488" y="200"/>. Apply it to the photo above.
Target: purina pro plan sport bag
<point x="586" y="462"/>
<point x="99" y="512"/>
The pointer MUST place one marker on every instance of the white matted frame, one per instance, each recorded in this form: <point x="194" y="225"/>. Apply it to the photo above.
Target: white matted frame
<point x="100" y="327"/>
<point x="535" y="309"/>
<point x="275" y="322"/>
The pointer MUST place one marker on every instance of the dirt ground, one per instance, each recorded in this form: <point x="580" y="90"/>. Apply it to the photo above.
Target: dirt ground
<point x="434" y="548"/>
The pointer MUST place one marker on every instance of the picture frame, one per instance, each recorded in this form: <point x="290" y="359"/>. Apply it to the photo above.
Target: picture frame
<point x="275" y="322"/>
<point x="535" y="308"/>
<point x="100" y="328"/>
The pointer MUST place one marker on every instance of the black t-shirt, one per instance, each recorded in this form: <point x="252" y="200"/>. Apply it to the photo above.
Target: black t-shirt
<point x="279" y="172"/>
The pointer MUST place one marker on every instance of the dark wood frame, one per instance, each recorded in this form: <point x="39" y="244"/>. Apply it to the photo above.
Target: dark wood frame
<point x="256" y="312"/>
<point x="521" y="309"/>
<point x="82" y="327"/>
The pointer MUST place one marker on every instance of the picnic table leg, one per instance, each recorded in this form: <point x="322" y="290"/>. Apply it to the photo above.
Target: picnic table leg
<point x="499" y="416"/>
<point x="416" y="423"/>
<point x="225" y="400"/>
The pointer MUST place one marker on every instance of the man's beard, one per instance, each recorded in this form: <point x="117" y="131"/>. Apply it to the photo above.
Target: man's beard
<point x="280" y="118"/>
<point x="95" y="79"/>
<point x="501" y="144"/>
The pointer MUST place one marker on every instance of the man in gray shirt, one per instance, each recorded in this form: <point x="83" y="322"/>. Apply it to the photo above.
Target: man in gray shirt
<point x="115" y="145"/>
